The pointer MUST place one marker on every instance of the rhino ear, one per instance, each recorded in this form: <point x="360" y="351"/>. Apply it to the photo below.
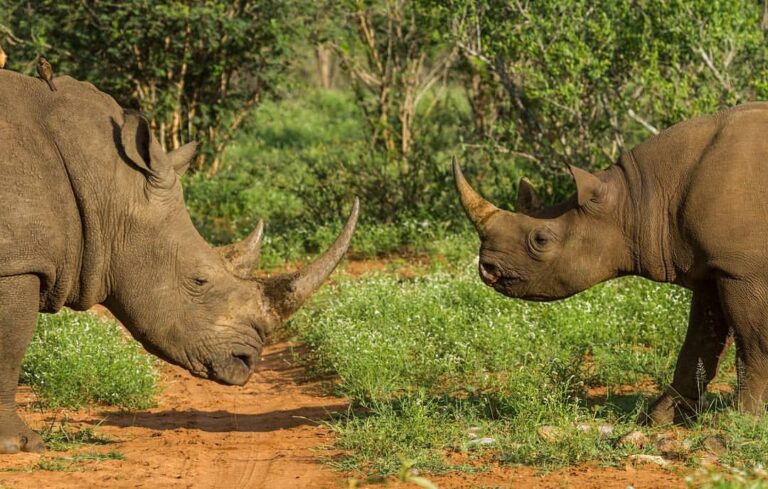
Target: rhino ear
<point x="182" y="157"/>
<point x="528" y="199"/>
<point x="142" y="148"/>
<point x="589" y="188"/>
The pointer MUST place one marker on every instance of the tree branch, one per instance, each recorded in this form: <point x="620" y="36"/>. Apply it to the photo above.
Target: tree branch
<point x="631" y="113"/>
<point x="711" y="65"/>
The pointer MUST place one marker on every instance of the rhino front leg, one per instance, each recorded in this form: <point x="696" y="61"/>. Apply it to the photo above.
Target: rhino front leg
<point x="746" y="307"/>
<point x="705" y="343"/>
<point x="19" y="302"/>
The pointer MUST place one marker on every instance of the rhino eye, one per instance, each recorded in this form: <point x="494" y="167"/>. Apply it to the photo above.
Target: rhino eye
<point x="199" y="281"/>
<point x="539" y="239"/>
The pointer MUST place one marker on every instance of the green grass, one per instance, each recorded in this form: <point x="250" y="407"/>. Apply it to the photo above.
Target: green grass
<point x="78" y="358"/>
<point x="61" y="437"/>
<point x="435" y="362"/>
<point x="74" y="462"/>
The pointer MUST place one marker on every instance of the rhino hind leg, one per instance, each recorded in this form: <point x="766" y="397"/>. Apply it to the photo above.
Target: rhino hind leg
<point x="19" y="302"/>
<point x="705" y="343"/>
<point x="746" y="307"/>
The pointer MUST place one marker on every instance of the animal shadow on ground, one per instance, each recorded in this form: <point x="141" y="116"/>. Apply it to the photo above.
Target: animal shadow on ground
<point x="224" y="421"/>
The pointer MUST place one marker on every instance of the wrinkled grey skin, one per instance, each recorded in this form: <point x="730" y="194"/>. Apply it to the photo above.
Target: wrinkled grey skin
<point x="690" y="207"/>
<point x="93" y="213"/>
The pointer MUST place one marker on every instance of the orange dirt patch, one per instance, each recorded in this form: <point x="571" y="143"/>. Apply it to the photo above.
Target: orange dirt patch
<point x="201" y="435"/>
<point x="357" y="267"/>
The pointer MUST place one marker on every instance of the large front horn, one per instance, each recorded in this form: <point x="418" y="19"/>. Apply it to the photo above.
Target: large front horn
<point x="478" y="209"/>
<point x="288" y="292"/>
<point x="242" y="258"/>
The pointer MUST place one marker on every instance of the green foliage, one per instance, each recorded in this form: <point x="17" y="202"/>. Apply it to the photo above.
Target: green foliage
<point x="577" y="82"/>
<point x="73" y="463"/>
<point x="196" y="69"/>
<point x="731" y="478"/>
<point x="76" y="359"/>
<point x="429" y="360"/>
<point x="300" y="166"/>
<point x="430" y="329"/>
<point x="393" y="61"/>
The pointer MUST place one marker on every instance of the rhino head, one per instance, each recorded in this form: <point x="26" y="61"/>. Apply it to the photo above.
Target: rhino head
<point x="190" y="304"/>
<point x="548" y="253"/>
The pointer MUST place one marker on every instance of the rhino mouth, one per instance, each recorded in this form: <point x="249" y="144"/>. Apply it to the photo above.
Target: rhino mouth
<point x="494" y="276"/>
<point x="236" y="369"/>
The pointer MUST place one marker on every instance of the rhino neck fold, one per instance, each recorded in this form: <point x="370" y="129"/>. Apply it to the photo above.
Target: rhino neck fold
<point x="89" y="285"/>
<point x="646" y="221"/>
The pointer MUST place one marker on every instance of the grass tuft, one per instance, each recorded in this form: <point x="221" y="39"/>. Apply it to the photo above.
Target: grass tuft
<point x="78" y="358"/>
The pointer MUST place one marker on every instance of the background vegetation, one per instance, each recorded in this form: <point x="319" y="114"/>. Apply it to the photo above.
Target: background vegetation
<point x="301" y="105"/>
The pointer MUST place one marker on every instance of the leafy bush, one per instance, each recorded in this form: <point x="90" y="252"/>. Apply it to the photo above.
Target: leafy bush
<point x="196" y="69"/>
<point x="78" y="358"/>
<point x="578" y="82"/>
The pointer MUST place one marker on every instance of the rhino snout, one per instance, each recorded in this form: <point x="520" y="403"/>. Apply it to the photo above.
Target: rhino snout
<point x="236" y="369"/>
<point x="500" y="278"/>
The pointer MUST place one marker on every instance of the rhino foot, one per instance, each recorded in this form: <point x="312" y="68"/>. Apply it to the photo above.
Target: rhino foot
<point x="15" y="436"/>
<point x="670" y="408"/>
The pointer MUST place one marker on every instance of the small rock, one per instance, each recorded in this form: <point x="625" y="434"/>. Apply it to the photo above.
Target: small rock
<point x="583" y="427"/>
<point x="648" y="459"/>
<point x="664" y="436"/>
<point x="486" y="440"/>
<point x="636" y="439"/>
<point x="605" y="430"/>
<point x="668" y="446"/>
<point x="550" y="434"/>
<point x="708" y="461"/>
<point x="471" y="435"/>
<point x="473" y="429"/>
<point x="715" y="444"/>
<point x="673" y="448"/>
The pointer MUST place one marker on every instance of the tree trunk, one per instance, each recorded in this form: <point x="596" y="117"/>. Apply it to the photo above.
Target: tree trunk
<point x="764" y="23"/>
<point x="326" y="66"/>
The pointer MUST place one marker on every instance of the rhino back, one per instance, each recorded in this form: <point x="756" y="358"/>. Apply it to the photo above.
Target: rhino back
<point x="726" y="210"/>
<point x="708" y="184"/>
<point x="49" y="151"/>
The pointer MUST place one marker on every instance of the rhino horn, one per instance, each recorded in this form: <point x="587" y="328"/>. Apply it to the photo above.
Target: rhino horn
<point x="288" y="292"/>
<point x="242" y="258"/>
<point x="477" y="208"/>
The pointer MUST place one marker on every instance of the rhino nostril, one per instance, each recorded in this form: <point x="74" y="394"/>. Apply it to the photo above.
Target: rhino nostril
<point x="489" y="272"/>
<point x="248" y="360"/>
